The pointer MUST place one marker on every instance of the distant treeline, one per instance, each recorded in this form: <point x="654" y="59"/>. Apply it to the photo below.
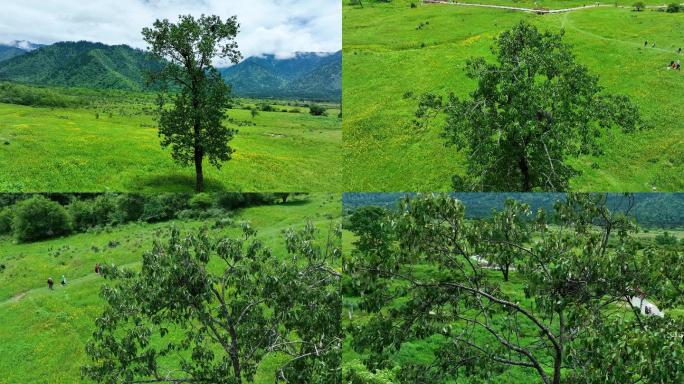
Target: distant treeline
<point x="662" y="210"/>
<point x="31" y="217"/>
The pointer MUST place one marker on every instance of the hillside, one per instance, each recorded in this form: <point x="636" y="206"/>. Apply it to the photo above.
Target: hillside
<point x="305" y="76"/>
<point x="665" y="210"/>
<point x="80" y="64"/>
<point x="44" y="332"/>
<point x="16" y="48"/>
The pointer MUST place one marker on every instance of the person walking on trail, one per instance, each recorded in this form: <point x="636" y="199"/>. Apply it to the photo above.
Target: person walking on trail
<point x="63" y="281"/>
<point x="97" y="268"/>
<point x="50" y="283"/>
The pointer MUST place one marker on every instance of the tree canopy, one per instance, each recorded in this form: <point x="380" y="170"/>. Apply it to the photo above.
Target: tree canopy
<point x="531" y="111"/>
<point x="210" y="310"/>
<point x="578" y="321"/>
<point x="193" y="127"/>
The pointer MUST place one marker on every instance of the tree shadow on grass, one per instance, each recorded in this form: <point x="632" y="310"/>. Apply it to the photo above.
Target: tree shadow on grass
<point x="176" y="183"/>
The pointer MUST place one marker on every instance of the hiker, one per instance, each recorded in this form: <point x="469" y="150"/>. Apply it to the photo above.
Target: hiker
<point x="672" y="64"/>
<point x="50" y="283"/>
<point x="97" y="268"/>
<point x="63" y="281"/>
<point x="679" y="50"/>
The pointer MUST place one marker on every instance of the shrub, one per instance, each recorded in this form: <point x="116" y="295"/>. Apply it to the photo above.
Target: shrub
<point x="39" y="218"/>
<point x="638" y="6"/>
<point x="673" y="8"/>
<point x="91" y="213"/>
<point x="317" y="110"/>
<point x="230" y="200"/>
<point x="164" y="206"/>
<point x="6" y="217"/>
<point x="666" y="239"/>
<point x="128" y="207"/>
<point x="201" y="201"/>
<point x="266" y="107"/>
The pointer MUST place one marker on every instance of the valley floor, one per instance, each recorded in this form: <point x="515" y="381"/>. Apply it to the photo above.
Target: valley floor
<point x="118" y="149"/>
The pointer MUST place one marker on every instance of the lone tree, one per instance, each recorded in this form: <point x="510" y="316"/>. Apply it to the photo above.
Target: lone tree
<point x="193" y="126"/>
<point x="639" y="6"/>
<point x="574" y="321"/>
<point x="531" y="111"/>
<point x="209" y="311"/>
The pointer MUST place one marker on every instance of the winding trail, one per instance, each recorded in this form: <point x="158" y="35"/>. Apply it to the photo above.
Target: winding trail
<point x="541" y="11"/>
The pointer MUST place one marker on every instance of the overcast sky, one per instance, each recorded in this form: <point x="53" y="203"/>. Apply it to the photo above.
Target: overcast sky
<point x="281" y="27"/>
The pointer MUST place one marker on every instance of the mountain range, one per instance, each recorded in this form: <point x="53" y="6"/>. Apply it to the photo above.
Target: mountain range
<point x="665" y="210"/>
<point x="306" y="75"/>
<point x="16" y="48"/>
<point x="315" y="76"/>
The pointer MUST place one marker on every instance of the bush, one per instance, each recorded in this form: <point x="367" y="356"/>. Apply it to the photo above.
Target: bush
<point x="231" y="200"/>
<point x="39" y="218"/>
<point x="666" y="239"/>
<point x="91" y="213"/>
<point x="6" y="217"/>
<point x="201" y="201"/>
<point x="638" y="6"/>
<point x="266" y="107"/>
<point x="673" y="8"/>
<point x="128" y="207"/>
<point x="164" y="207"/>
<point x="317" y="110"/>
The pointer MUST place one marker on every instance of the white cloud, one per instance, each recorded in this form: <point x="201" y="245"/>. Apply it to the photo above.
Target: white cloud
<point x="281" y="27"/>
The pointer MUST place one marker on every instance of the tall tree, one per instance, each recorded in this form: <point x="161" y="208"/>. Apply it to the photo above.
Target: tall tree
<point x="531" y="110"/>
<point x="576" y="323"/>
<point x="193" y="126"/>
<point x="210" y="310"/>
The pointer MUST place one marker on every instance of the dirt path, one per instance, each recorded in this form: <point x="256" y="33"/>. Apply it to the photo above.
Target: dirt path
<point x="71" y="282"/>
<point x="541" y="11"/>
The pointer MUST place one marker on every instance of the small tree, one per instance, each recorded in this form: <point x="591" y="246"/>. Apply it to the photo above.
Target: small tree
<point x="193" y="127"/>
<point x="204" y="310"/>
<point x="673" y="8"/>
<point x="639" y="6"/>
<point x="503" y="235"/>
<point x="530" y="112"/>
<point x="254" y="112"/>
<point x="317" y="110"/>
<point x="39" y="218"/>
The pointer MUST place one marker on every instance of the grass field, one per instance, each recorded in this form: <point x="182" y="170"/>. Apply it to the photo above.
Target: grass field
<point x="387" y="58"/>
<point x="72" y="149"/>
<point x="43" y="332"/>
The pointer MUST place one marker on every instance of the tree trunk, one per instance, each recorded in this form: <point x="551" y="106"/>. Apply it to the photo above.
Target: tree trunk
<point x="199" y="175"/>
<point x="525" y="170"/>
<point x="234" y="357"/>
<point x="504" y="270"/>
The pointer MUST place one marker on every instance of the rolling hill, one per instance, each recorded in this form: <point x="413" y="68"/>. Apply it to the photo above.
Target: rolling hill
<point x="80" y="64"/>
<point x="306" y="76"/>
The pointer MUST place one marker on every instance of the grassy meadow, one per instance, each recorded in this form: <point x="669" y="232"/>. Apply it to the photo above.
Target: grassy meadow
<point x="112" y="144"/>
<point x="389" y="62"/>
<point x="43" y="332"/>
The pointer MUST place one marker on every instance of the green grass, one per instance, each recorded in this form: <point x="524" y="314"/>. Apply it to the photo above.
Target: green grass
<point x="70" y="149"/>
<point x="43" y="332"/>
<point x="385" y="56"/>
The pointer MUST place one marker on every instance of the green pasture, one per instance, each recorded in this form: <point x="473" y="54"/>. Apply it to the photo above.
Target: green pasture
<point x="112" y="144"/>
<point x="43" y="332"/>
<point x="389" y="62"/>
